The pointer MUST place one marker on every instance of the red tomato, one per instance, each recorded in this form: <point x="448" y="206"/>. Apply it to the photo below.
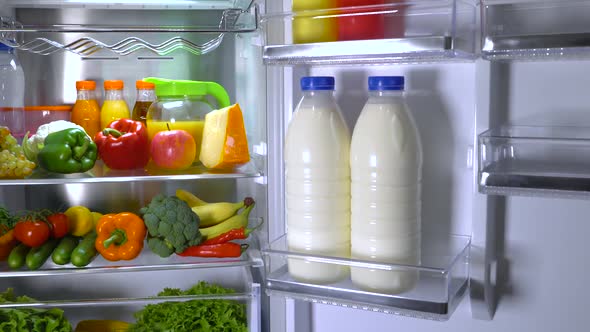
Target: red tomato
<point x="32" y="233"/>
<point x="59" y="225"/>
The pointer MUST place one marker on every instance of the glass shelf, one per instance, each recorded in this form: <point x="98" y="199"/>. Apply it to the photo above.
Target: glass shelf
<point x="120" y="296"/>
<point x="537" y="161"/>
<point x="441" y="279"/>
<point x="146" y="261"/>
<point x="101" y="174"/>
<point x="133" y="4"/>
<point x="530" y="30"/>
<point x="96" y="29"/>
<point x="413" y="31"/>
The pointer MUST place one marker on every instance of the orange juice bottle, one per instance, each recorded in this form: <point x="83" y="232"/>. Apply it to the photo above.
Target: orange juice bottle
<point x="114" y="106"/>
<point x="86" y="112"/>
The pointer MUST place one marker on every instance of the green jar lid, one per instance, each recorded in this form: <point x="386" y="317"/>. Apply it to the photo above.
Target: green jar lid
<point x="181" y="88"/>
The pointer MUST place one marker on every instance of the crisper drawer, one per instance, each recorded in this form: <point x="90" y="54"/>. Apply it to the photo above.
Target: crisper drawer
<point x="123" y="296"/>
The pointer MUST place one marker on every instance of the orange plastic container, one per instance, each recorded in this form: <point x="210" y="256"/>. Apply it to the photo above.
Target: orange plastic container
<point x="36" y="116"/>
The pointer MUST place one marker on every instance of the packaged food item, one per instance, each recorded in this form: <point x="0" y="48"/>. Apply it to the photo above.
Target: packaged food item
<point x="314" y="27"/>
<point x="386" y="175"/>
<point x="114" y="106"/>
<point x="318" y="183"/>
<point x="225" y="145"/>
<point x="361" y="23"/>
<point x="86" y="112"/>
<point x="145" y="97"/>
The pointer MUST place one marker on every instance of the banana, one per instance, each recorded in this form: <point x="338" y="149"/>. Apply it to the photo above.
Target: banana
<point x="214" y="213"/>
<point x="189" y="198"/>
<point x="237" y="221"/>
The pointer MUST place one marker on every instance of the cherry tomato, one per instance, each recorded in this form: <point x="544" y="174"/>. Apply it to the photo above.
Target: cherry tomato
<point x="59" y="225"/>
<point x="32" y="233"/>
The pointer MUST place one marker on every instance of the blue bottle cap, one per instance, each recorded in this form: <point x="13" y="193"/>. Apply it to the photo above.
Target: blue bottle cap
<point x="4" y="47"/>
<point x="310" y="83"/>
<point x="386" y="83"/>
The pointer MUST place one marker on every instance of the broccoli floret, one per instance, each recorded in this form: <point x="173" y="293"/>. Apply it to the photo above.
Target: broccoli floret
<point x="171" y="224"/>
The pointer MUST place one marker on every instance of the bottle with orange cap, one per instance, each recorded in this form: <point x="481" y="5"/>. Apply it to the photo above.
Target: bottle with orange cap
<point x="114" y="106"/>
<point x="145" y="97"/>
<point x="86" y="112"/>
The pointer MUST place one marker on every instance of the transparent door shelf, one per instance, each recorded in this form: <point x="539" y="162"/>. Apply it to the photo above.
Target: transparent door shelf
<point x="118" y="297"/>
<point x="100" y="173"/>
<point x="535" y="30"/>
<point x="133" y="4"/>
<point x="441" y="282"/>
<point x="414" y="31"/>
<point x="538" y="161"/>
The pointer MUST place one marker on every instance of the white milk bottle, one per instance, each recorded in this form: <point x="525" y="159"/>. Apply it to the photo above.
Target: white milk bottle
<point x="386" y="173"/>
<point x="317" y="170"/>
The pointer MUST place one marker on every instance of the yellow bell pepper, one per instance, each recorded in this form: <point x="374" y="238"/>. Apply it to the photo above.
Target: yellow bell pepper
<point x="102" y="326"/>
<point x="120" y="236"/>
<point x="81" y="220"/>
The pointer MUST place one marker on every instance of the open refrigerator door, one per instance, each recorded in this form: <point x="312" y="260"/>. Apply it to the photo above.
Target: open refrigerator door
<point x="484" y="129"/>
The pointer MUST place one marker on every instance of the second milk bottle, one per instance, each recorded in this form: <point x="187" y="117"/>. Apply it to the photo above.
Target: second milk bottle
<point x="386" y="175"/>
<point x="318" y="183"/>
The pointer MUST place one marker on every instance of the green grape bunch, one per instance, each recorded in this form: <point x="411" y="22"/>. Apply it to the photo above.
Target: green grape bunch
<point x="13" y="163"/>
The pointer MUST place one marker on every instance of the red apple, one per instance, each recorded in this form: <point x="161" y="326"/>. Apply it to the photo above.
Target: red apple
<point x="173" y="149"/>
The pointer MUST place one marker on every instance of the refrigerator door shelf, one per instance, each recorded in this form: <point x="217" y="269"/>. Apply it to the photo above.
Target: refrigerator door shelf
<point x="412" y="31"/>
<point x="535" y="30"/>
<point x="535" y="161"/>
<point x="101" y="174"/>
<point x="119" y="296"/>
<point x="442" y="279"/>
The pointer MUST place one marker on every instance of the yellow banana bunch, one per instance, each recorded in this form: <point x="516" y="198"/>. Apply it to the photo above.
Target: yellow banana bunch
<point x="210" y="214"/>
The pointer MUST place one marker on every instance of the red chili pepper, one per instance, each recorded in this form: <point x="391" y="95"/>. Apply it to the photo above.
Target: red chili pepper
<point x="124" y="144"/>
<point x="222" y="250"/>
<point x="233" y="234"/>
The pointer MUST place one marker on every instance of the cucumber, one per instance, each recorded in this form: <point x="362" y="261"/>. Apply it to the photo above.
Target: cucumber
<point x="17" y="256"/>
<point x="38" y="255"/>
<point x="63" y="253"/>
<point x="85" y="251"/>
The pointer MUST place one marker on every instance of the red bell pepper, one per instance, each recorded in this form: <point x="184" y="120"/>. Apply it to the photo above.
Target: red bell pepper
<point x="124" y="144"/>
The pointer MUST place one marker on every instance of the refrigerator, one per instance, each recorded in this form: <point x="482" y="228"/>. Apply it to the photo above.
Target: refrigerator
<point x="498" y="91"/>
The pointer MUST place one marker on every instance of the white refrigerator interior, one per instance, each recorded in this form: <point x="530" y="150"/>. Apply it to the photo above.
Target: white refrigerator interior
<point x="499" y="93"/>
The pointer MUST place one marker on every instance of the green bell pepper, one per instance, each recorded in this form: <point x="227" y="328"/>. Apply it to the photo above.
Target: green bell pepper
<point x="68" y="151"/>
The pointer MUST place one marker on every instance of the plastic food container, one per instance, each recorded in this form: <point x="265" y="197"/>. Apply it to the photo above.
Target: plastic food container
<point x="36" y="116"/>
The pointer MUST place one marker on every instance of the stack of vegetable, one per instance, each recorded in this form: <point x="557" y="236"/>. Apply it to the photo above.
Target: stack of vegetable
<point x="188" y="226"/>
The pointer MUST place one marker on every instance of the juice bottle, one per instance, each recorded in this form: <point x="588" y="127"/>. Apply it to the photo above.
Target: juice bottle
<point x="86" y="112"/>
<point x="114" y="106"/>
<point x="313" y="28"/>
<point x="362" y="23"/>
<point x="386" y="175"/>
<point x="145" y="97"/>
<point x="318" y="183"/>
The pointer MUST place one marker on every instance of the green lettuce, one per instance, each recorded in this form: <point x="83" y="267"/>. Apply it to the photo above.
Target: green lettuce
<point x="194" y="315"/>
<point x="30" y="320"/>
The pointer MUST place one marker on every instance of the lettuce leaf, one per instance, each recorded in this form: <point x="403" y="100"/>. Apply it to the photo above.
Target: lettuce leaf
<point x="30" y="320"/>
<point x="195" y="315"/>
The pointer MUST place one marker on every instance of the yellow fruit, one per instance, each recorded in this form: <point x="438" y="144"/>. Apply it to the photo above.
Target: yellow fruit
<point x="95" y="217"/>
<point x="102" y="326"/>
<point x="224" y="144"/>
<point x="314" y="27"/>
<point x="189" y="198"/>
<point x="214" y="213"/>
<point x="81" y="220"/>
